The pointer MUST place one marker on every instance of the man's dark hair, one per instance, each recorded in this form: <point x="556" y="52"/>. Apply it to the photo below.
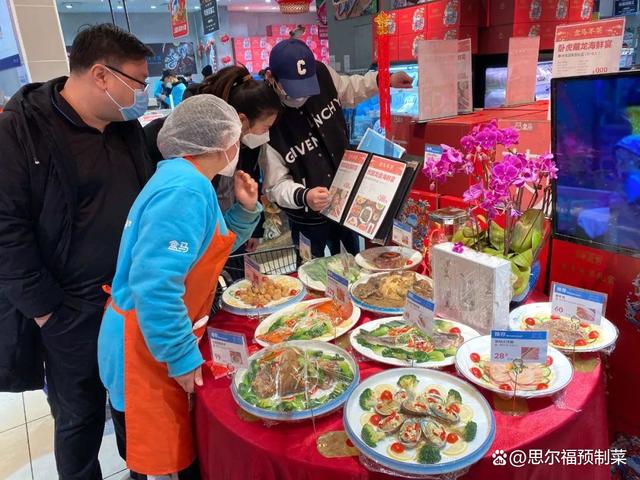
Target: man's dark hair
<point x="167" y="73"/>
<point x="207" y="71"/>
<point x="105" y="43"/>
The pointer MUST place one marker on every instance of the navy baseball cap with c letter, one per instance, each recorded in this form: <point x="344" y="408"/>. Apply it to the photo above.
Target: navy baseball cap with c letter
<point x="294" y="66"/>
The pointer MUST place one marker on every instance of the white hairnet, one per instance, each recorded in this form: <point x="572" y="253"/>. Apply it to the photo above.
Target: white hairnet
<point x="200" y="124"/>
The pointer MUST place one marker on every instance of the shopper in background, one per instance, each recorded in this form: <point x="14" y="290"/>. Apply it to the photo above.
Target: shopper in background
<point x="73" y="162"/>
<point x="176" y="89"/>
<point x="161" y="90"/>
<point x="175" y="244"/>
<point x="206" y="71"/>
<point x="309" y="138"/>
<point x="258" y="107"/>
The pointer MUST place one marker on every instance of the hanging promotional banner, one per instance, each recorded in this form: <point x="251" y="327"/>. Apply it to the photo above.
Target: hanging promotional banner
<point x="438" y="70"/>
<point x="522" y="70"/>
<point x="465" y="78"/>
<point x="588" y="48"/>
<point x="625" y="7"/>
<point x="179" y="22"/>
<point x="210" y="20"/>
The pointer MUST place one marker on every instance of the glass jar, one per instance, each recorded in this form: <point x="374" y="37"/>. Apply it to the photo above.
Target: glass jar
<point x="444" y="223"/>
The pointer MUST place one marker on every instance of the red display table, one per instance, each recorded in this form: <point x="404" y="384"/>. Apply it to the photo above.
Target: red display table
<point x="235" y="446"/>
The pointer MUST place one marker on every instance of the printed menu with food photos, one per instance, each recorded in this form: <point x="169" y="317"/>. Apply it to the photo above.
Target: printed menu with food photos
<point x="374" y="196"/>
<point x="343" y="183"/>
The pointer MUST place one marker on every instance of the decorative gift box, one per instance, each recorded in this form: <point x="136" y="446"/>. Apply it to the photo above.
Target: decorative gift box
<point x="470" y="287"/>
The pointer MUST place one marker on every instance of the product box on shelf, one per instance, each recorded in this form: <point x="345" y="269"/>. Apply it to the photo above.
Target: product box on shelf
<point x="283" y="30"/>
<point x="412" y="20"/>
<point x="567" y="10"/>
<point x="453" y="13"/>
<point x="503" y="12"/>
<point x="394" y="54"/>
<point x="408" y="46"/>
<point x="459" y="33"/>
<point x="495" y="39"/>
<point x="472" y="288"/>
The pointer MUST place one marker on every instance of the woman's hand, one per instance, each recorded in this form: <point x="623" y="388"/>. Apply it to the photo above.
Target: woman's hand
<point x="188" y="381"/>
<point x="246" y="190"/>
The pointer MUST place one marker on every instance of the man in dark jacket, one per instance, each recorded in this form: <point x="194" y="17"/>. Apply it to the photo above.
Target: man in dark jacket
<point x="73" y="161"/>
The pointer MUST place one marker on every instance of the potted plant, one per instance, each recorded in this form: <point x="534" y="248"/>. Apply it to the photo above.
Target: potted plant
<point x="507" y="199"/>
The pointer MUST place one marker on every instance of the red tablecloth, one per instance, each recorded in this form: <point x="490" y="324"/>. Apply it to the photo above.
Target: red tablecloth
<point x="235" y="448"/>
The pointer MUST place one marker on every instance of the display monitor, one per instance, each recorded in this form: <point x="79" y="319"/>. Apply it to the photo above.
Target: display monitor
<point x="596" y="141"/>
<point x="495" y="92"/>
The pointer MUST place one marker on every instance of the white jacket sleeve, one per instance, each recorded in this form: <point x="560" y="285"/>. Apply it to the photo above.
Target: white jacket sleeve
<point x="278" y="185"/>
<point x="353" y="89"/>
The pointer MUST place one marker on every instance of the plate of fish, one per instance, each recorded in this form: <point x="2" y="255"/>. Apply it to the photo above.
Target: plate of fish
<point x="313" y="274"/>
<point x="527" y="380"/>
<point x="275" y="292"/>
<point x="295" y="381"/>
<point x="319" y="319"/>
<point x="388" y="259"/>
<point x="419" y="421"/>
<point x="565" y="333"/>
<point x="394" y="342"/>
<point x="386" y="292"/>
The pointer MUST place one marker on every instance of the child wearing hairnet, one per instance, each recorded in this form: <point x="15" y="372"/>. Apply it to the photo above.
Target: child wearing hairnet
<point x="174" y="245"/>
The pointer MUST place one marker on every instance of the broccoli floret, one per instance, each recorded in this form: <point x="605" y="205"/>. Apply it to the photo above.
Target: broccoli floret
<point x="470" y="430"/>
<point x="429" y="454"/>
<point x="408" y="382"/>
<point x="420" y="356"/>
<point x="367" y="402"/>
<point x="371" y="436"/>
<point x="454" y="396"/>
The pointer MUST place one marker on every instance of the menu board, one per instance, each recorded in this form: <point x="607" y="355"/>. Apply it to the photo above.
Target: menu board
<point x="377" y="189"/>
<point x="343" y="183"/>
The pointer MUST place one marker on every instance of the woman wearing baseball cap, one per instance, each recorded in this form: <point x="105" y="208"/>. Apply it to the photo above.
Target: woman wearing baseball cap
<point x="309" y="138"/>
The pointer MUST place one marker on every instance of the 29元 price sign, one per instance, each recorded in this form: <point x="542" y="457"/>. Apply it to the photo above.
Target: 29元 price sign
<point x="588" y="48"/>
<point x="585" y="305"/>
<point x="507" y="346"/>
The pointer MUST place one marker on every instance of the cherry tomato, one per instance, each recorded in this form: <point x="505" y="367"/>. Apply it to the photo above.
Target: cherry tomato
<point x="581" y="342"/>
<point x="542" y="386"/>
<point x="454" y="408"/>
<point x="408" y="262"/>
<point x="435" y="391"/>
<point x="530" y="321"/>
<point x="454" y="330"/>
<point x="443" y="435"/>
<point x="397" y="447"/>
<point x="293" y="293"/>
<point x="506" y="387"/>
<point x="452" y="438"/>
<point x="549" y="361"/>
<point x="594" y="334"/>
<point x="559" y="343"/>
<point x="475" y="358"/>
<point x="476" y="372"/>
<point x="584" y="325"/>
<point x="386" y="396"/>
<point x="375" y="420"/>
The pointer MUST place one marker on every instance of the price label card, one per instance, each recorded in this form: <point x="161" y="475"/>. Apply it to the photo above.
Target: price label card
<point x="507" y="346"/>
<point x="585" y="305"/>
<point x="402" y="234"/>
<point x="345" y="259"/>
<point x="228" y="348"/>
<point x="432" y="153"/>
<point x="305" y="248"/>
<point x="337" y="288"/>
<point x="252" y="271"/>
<point x="418" y="311"/>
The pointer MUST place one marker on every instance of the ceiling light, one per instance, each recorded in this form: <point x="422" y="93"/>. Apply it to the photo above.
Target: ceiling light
<point x="119" y="7"/>
<point x="68" y="5"/>
<point x="267" y="1"/>
<point x="197" y="7"/>
<point x="246" y="8"/>
<point x="153" y="7"/>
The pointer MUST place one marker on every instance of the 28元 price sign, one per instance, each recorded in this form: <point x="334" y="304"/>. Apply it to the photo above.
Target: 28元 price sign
<point x="585" y="305"/>
<point x="507" y="346"/>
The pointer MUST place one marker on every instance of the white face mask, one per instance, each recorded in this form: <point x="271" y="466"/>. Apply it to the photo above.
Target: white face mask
<point x="253" y="140"/>
<point x="230" y="168"/>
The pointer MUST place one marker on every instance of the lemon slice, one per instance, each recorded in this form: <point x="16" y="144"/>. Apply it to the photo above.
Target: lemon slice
<point x="466" y="413"/>
<point x="406" y="456"/>
<point x="377" y="391"/>
<point x="458" y="448"/>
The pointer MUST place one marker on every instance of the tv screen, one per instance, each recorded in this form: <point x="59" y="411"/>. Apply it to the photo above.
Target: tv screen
<point x="495" y="92"/>
<point x="596" y="140"/>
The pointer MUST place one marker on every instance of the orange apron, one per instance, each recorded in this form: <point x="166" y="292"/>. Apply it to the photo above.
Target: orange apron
<point x="160" y="438"/>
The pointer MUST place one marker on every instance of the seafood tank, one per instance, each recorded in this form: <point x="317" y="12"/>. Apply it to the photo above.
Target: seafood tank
<point x="596" y="142"/>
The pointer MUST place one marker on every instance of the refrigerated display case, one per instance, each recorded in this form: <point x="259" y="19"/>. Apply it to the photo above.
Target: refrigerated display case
<point x="404" y="102"/>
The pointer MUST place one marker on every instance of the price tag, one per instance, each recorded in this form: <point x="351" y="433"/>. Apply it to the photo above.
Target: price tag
<point x="337" y="289"/>
<point x="418" y="311"/>
<point x="586" y="305"/>
<point x="507" y="346"/>
<point x="432" y="153"/>
<point x="252" y="271"/>
<point x="305" y="248"/>
<point x="402" y="234"/>
<point x="228" y="348"/>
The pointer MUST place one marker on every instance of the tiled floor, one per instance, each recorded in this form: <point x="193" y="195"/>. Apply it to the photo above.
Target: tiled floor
<point x="26" y="441"/>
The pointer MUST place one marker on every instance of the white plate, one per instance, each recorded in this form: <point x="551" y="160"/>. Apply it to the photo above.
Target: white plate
<point x="302" y="414"/>
<point x="467" y="333"/>
<point x="371" y="308"/>
<point x="482" y="415"/>
<point x="608" y="331"/>
<point x="271" y="319"/>
<point x="413" y="258"/>
<point x="561" y="368"/>
<point x="238" y="307"/>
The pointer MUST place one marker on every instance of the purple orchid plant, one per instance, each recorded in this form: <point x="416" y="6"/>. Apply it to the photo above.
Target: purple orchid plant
<point x="508" y="187"/>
